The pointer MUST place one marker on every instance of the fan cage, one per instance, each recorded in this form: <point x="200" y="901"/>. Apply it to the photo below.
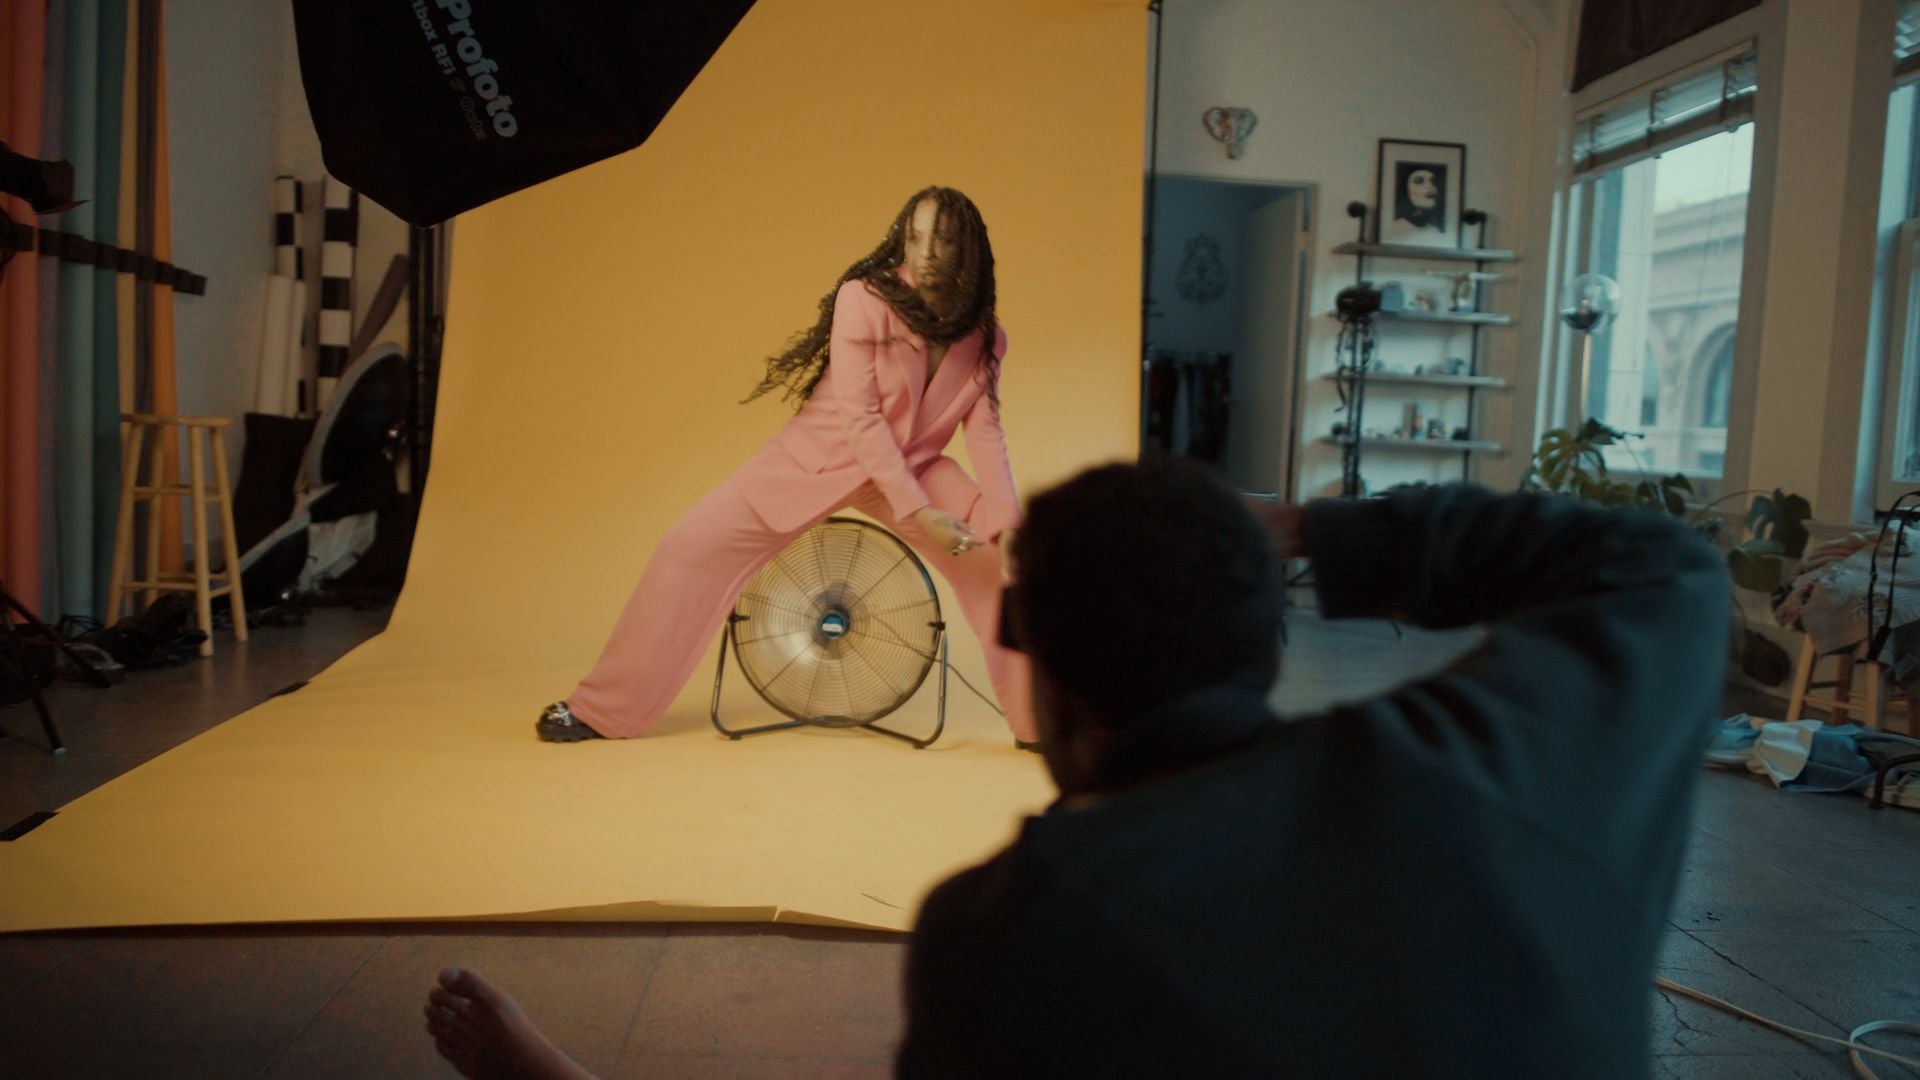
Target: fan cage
<point x="841" y="628"/>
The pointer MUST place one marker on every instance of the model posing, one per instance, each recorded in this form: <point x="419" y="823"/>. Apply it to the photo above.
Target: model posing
<point x="907" y="347"/>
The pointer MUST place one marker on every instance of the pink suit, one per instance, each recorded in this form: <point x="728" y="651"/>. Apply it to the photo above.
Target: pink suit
<point x="872" y="437"/>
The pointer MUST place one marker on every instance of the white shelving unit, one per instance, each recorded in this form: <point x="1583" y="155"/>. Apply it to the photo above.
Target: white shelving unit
<point x="1354" y="382"/>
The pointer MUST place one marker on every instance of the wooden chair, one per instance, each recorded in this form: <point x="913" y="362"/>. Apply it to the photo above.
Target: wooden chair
<point x="205" y="437"/>
<point x="1870" y="701"/>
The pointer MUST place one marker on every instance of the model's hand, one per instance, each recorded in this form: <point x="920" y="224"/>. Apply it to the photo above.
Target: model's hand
<point x="947" y="532"/>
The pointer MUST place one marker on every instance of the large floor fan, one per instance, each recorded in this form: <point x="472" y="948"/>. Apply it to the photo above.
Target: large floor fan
<point x="839" y="630"/>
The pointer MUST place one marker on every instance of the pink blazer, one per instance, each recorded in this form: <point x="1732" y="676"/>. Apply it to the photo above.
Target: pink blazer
<point x="869" y="419"/>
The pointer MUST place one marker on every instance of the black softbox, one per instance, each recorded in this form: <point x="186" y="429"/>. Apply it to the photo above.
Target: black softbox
<point x="432" y="107"/>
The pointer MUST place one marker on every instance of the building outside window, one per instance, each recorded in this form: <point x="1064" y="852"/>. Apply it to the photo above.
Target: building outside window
<point x="1671" y="229"/>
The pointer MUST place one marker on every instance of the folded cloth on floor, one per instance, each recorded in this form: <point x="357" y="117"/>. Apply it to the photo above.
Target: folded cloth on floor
<point x="1806" y="755"/>
<point x="1828" y="594"/>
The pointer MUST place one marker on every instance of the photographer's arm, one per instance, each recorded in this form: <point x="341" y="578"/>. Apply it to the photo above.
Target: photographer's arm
<point x="1590" y="699"/>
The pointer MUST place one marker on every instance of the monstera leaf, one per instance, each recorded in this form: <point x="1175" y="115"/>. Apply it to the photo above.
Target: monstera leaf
<point x="1567" y="460"/>
<point x="1669" y="494"/>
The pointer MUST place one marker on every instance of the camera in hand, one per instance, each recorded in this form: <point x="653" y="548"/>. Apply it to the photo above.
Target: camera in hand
<point x="1357" y="301"/>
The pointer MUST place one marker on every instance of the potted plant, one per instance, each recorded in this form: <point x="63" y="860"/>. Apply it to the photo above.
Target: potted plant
<point x="1572" y="463"/>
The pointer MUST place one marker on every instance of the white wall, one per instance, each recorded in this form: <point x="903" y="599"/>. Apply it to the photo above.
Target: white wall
<point x="237" y="117"/>
<point x="223" y="68"/>
<point x="1327" y="79"/>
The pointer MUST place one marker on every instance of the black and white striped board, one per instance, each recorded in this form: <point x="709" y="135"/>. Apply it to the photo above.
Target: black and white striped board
<point x="279" y="383"/>
<point x="340" y="234"/>
<point x="289" y="203"/>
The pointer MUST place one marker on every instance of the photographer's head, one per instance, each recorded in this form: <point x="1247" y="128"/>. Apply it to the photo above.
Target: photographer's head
<point x="1136" y="585"/>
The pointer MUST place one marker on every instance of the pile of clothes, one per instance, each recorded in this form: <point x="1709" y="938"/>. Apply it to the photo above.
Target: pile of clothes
<point x="1814" y="756"/>
<point x="1847" y="590"/>
<point x="1850" y="595"/>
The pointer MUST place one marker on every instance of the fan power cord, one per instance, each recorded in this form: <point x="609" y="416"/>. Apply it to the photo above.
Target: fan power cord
<point x="1852" y="1042"/>
<point x="963" y="679"/>
<point x="976" y="691"/>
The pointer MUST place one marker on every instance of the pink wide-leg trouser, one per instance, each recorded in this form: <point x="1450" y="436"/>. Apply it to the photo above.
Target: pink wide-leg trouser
<point x="696" y="575"/>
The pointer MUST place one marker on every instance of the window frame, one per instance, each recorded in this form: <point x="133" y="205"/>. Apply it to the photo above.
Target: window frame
<point x="1760" y="28"/>
<point x="1900" y="325"/>
<point x="1580" y="254"/>
<point x="1900" y="394"/>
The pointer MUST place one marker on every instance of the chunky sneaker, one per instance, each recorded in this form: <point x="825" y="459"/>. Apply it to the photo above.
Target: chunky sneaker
<point x="558" y="724"/>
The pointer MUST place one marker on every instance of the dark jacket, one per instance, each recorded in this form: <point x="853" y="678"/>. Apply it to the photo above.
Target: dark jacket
<point x="1468" y="876"/>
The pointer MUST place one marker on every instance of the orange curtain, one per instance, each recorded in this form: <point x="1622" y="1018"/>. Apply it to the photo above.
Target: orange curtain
<point x="23" y="38"/>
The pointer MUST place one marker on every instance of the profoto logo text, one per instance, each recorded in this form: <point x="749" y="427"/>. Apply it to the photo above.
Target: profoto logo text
<point x="479" y="67"/>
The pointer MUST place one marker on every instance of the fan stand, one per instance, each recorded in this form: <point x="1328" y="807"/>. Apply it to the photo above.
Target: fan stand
<point x="720" y="671"/>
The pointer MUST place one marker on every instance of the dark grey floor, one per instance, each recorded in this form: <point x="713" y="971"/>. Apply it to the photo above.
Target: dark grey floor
<point x="1805" y="908"/>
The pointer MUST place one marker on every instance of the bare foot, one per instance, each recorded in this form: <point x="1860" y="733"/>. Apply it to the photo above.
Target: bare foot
<point x="483" y="1033"/>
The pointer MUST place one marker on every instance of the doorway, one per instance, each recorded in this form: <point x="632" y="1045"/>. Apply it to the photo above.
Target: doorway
<point x="1228" y="267"/>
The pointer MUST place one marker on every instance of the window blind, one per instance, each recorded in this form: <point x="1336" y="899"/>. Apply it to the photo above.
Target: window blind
<point x="1906" y="43"/>
<point x="1690" y="105"/>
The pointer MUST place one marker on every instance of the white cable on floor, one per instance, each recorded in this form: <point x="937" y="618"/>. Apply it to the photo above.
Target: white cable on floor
<point x="1851" y="1042"/>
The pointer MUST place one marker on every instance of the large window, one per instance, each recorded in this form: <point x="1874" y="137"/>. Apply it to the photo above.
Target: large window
<point x="1671" y="229"/>
<point x="1898" y="255"/>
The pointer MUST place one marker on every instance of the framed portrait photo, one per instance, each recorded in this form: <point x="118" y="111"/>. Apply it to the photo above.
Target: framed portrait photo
<point x="1421" y="190"/>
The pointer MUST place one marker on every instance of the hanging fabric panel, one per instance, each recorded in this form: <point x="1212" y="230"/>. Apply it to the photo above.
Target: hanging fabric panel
<point x="107" y="330"/>
<point x="154" y="374"/>
<point x="1617" y="33"/>
<point x="22" y="82"/>
<point x="80" y="106"/>
<point x="53" y="146"/>
<point x="1906" y="43"/>
<point x="128" y="218"/>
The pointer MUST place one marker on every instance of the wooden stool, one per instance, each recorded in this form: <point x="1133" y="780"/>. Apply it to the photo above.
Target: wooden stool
<point x="1870" y="701"/>
<point x="200" y="430"/>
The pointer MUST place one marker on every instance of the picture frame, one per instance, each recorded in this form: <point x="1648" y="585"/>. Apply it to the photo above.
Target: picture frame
<point x="1420" y="192"/>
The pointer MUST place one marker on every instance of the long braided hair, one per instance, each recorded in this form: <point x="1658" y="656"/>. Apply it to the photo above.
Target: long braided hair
<point x="966" y="274"/>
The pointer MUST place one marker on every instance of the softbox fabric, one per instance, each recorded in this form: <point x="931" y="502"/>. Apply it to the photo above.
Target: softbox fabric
<point x="433" y="107"/>
<point x="1614" y="35"/>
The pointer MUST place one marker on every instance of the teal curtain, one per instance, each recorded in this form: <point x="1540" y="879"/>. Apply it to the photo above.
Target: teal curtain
<point x="74" y="358"/>
<point x="105" y="427"/>
<point x="86" y="399"/>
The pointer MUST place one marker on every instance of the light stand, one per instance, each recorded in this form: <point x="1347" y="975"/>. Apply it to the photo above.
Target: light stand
<point x="1587" y="305"/>
<point x="13" y="658"/>
<point x="1353" y="359"/>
